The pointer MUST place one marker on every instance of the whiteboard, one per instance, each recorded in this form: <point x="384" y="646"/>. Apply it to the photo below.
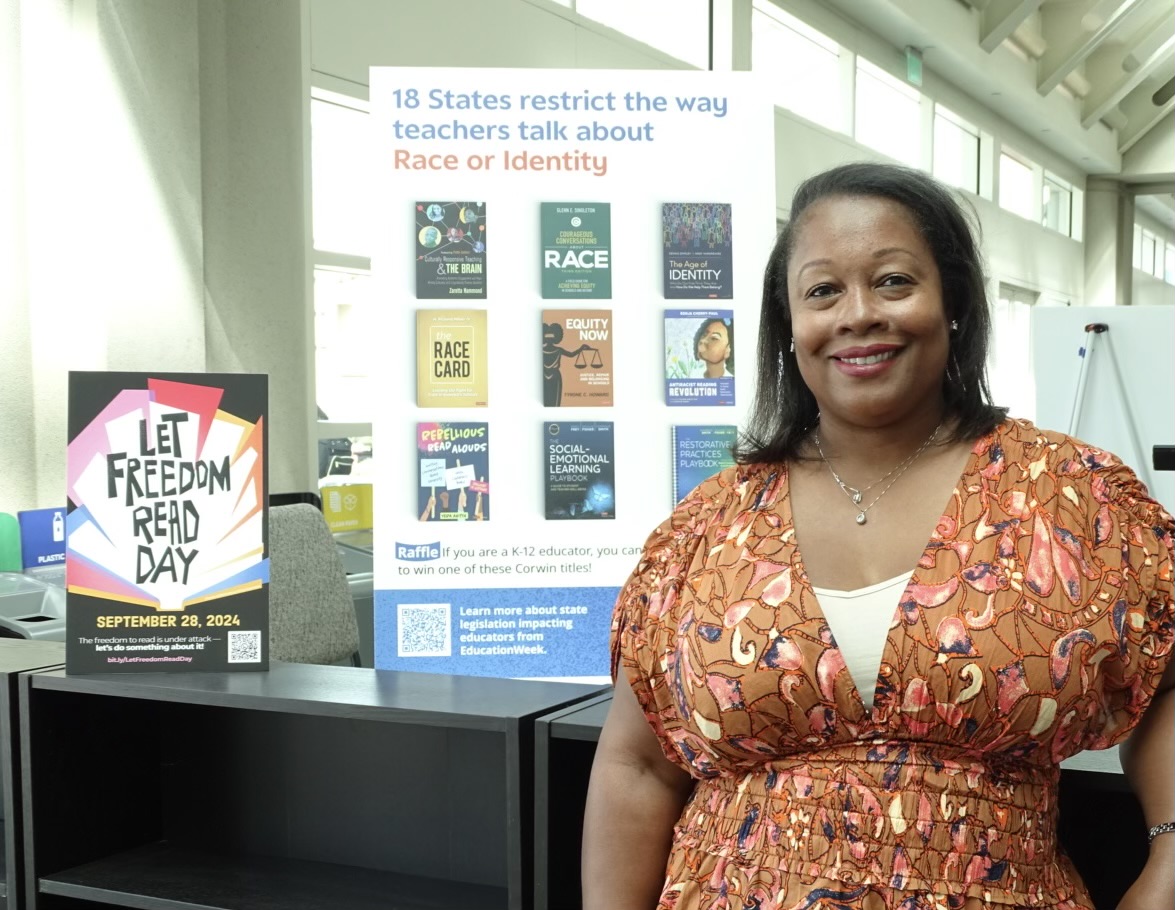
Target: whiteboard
<point x="1129" y="401"/>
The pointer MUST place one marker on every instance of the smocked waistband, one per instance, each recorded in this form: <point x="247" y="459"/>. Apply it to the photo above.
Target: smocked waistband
<point x="901" y="815"/>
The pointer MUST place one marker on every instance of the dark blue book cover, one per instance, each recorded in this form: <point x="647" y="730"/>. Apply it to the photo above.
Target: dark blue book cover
<point x="698" y="452"/>
<point x="580" y="469"/>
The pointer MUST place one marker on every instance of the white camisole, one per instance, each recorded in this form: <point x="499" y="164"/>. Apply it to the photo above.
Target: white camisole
<point x="859" y="621"/>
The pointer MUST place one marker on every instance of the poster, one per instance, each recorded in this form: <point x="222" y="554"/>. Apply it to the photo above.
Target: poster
<point x="577" y="254"/>
<point x="452" y="369"/>
<point x="453" y="471"/>
<point x="580" y="470"/>
<point x="698" y="250"/>
<point x="699" y="452"/>
<point x="699" y="357"/>
<point x="522" y="592"/>
<point x="450" y="242"/>
<point x="166" y="561"/>
<point x="577" y="358"/>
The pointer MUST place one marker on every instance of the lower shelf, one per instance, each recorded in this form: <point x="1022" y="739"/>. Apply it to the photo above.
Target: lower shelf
<point x="163" y="877"/>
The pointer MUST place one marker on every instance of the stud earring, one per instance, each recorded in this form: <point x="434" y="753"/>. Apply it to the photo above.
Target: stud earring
<point x="793" y="346"/>
<point x="954" y="325"/>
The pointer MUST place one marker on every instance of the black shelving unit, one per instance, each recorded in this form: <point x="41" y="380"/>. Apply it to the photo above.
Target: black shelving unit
<point x="17" y="655"/>
<point x="304" y="787"/>
<point x="565" y="744"/>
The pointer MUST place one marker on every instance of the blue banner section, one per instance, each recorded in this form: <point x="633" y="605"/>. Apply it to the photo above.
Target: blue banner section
<point x="694" y="392"/>
<point x="505" y="632"/>
<point x="42" y="537"/>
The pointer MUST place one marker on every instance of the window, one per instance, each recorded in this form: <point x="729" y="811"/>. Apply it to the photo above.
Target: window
<point x="341" y="175"/>
<point x="1016" y="186"/>
<point x="1147" y="254"/>
<point x="1136" y="248"/>
<point x="1057" y="205"/>
<point x="1009" y="362"/>
<point x="683" y="32"/>
<point x="956" y="150"/>
<point x="801" y="65"/>
<point x="1169" y="264"/>
<point x="888" y="114"/>
<point x="345" y="336"/>
<point x="1157" y="267"/>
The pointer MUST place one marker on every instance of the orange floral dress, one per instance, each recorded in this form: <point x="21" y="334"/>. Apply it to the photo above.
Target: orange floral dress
<point x="1037" y="623"/>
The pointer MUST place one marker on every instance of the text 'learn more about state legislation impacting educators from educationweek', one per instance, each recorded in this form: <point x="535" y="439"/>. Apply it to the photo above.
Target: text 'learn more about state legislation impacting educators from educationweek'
<point x="525" y="126"/>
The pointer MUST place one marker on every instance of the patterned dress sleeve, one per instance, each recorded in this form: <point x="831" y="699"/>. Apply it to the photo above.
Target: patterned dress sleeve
<point x="1134" y="534"/>
<point x="641" y="627"/>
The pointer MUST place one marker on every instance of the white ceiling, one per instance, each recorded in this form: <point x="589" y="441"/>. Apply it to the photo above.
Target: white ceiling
<point x="1088" y="78"/>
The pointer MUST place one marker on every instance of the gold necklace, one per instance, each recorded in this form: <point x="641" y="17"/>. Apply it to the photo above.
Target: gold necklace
<point x="855" y="494"/>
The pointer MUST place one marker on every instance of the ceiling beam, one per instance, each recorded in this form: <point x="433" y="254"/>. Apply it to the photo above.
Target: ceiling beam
<point x="1069" y="44"/>
<point x="1149" y="189"/>
<point x="1142" y="113"/>
<point x="1001" y="18"/>
<point x="1108" y="93"/>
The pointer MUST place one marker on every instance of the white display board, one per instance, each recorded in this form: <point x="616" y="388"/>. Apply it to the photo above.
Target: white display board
<point x="1129" y="401"/>
<point x="509" y="591"/>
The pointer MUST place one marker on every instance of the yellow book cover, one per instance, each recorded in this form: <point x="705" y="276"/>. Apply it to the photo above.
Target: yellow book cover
<point x="451" y="369"/>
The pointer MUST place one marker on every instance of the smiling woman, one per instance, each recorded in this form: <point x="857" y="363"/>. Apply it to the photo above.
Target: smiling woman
<point x="893" y="606"/>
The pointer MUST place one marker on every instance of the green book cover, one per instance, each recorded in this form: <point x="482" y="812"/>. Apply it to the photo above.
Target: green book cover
<point x="577" y="250"/>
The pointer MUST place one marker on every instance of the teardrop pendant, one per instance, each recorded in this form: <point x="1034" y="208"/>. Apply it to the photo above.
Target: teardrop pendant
<point x="860" y="518"/>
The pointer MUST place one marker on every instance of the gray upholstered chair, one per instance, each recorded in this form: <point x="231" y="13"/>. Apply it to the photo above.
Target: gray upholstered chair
<point x="311" y="613"/>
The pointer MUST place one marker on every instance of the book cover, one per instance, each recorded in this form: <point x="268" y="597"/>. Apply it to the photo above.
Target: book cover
<point x="699" y="357"/>
<point x="451" y="364"/>
<point x="450" y="250"/>
<point x="698" y="452"/>
<point x="166" y="536"/>
<point x="580" y="469"/>
<point x="577" y="253"/>
<point x="577" y="358"/>
<point x="697" y="250"/>
<point x="453" y="461"/>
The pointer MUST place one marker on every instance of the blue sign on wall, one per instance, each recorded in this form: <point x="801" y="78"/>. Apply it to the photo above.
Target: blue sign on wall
<point x="495" y="631"/>
<point x="42" y="537"/>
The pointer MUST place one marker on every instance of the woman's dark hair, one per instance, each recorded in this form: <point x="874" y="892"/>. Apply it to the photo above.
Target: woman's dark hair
<point x="702" y="333"/>
<point x="785" y="410"/>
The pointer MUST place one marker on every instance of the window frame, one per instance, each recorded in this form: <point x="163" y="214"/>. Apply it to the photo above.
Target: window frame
<point x="964" y="126"/>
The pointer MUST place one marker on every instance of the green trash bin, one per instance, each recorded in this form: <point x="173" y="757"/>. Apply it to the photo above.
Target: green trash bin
<point x="9" y="543"/>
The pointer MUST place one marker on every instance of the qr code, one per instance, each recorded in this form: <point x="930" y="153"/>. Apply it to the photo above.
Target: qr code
<point x="244" y="647"/>
<point x="423" y="630"/>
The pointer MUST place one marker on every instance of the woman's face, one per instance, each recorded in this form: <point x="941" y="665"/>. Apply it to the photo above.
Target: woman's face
<point x="714" y="346"/>
<point x="867" y="312"/>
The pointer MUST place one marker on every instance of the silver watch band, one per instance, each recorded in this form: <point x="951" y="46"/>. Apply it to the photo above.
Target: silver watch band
<point x="1163" y="828"/>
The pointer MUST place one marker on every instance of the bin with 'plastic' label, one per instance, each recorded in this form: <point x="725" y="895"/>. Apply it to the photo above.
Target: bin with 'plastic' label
<point x="31" y="608"/>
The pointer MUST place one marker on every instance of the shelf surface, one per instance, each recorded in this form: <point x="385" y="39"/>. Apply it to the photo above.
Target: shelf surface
<point x="472" y="702"/>
<point x="583" y="723"/>
<point x="20" y="654"/>
<point x="161" y="877"/>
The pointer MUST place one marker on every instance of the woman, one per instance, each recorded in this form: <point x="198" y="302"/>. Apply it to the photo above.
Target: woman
<point x="906" y="757"/>
<point x="714" y="349"/>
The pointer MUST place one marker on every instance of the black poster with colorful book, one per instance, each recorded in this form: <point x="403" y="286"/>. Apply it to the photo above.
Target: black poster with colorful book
<point x="580" y="463"/>
<point x="450" y="250"/>
<point x="167" y="548"/>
